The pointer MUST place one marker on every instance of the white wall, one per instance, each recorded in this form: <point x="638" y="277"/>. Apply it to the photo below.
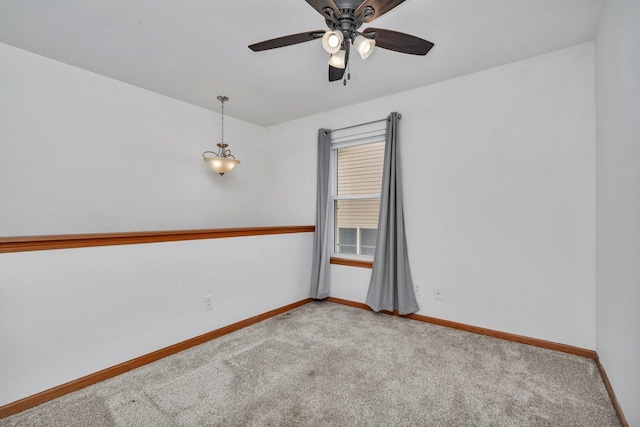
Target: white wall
<point x="82" y="153"/>
<point x="618" y="200"/>
<point x="71" y="312"/>
<point x="499" y="175"/>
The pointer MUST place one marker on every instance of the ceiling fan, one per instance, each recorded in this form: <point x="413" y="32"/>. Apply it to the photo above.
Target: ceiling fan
<point x="344" y="17"/>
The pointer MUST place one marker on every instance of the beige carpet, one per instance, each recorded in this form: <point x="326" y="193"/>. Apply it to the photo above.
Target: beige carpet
<point x="325" y="364"/>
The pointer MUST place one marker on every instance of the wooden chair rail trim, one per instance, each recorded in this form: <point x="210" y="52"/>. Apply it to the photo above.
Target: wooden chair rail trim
<point x="96" y="377"/>
<point x="67" y="241"/>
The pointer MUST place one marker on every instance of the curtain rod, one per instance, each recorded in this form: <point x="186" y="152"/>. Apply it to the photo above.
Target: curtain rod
<point x="364" y="124"/>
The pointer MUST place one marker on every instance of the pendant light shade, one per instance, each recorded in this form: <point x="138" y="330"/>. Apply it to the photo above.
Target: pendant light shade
<point x="221" y="165"/>
<point x="364" y="46"/>
<point x="332" y="41"/>
<point x="337" y="60"/>
<point x="222" y="161"/>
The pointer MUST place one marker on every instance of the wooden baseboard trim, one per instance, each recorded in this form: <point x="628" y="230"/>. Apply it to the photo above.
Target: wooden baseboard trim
<point x="591" y="354"/>
<point x="96" y="377"/>
<point x="612" y="395"/>
<point x="80" y="383"/>
<point x="67" y="241"/>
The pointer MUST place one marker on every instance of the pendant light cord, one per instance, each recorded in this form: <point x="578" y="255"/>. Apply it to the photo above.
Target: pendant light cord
<point x="222" y="120"/>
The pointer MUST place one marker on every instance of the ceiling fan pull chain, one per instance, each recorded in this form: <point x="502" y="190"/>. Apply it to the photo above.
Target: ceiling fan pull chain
<point x="348" y="70"/>
<point x="344" y="82"/>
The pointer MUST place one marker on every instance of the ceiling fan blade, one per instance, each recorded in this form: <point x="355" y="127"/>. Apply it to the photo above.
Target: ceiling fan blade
<point x="320" y="5"/>
<point x="400" y="42"/>
<point x="380" y="7"/>
<point x="338" y="73"/>
<point x="286" y="40"/>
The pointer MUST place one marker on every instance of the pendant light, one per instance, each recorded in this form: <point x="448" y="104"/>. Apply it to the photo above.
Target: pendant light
<point x="222" y="161"/>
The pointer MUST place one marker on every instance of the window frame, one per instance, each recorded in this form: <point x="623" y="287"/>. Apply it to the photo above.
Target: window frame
<point x="367" y="133"/>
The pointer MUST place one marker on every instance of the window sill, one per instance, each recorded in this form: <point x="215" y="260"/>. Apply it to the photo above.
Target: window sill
<point x="352" y="262"/>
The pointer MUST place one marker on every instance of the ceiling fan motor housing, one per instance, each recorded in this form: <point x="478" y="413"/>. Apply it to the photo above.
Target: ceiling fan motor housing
<point x="347" y="22"/>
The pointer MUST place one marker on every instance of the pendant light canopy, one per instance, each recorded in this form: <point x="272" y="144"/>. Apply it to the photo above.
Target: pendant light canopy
<point x="222" y="161"/>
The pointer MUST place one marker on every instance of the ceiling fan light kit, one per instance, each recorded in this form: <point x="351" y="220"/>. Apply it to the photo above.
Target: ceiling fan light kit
<point x="344" y="18"/>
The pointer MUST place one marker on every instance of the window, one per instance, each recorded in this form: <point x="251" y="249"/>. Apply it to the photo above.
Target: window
<point x="357" y="161"/>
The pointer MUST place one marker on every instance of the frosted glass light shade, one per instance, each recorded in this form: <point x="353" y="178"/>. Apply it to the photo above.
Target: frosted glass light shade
<point x="332" y="41"/>
<point x="337" y="60"/>
<point x="221" y="165"/>
<point x="364" y="46"/>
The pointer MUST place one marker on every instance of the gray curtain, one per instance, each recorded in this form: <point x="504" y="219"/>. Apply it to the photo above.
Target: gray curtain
<point x="391" y="287"/>
<point x="321" y="253"/>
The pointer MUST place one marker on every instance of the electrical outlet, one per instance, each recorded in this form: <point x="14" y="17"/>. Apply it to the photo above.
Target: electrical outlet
<point x="208" y="302"/>
<point x="437" y="293"/>
<point x="416" y="289"/>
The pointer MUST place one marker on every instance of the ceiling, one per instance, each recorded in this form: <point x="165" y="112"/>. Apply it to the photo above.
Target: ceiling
<point x="197" y="49"/>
